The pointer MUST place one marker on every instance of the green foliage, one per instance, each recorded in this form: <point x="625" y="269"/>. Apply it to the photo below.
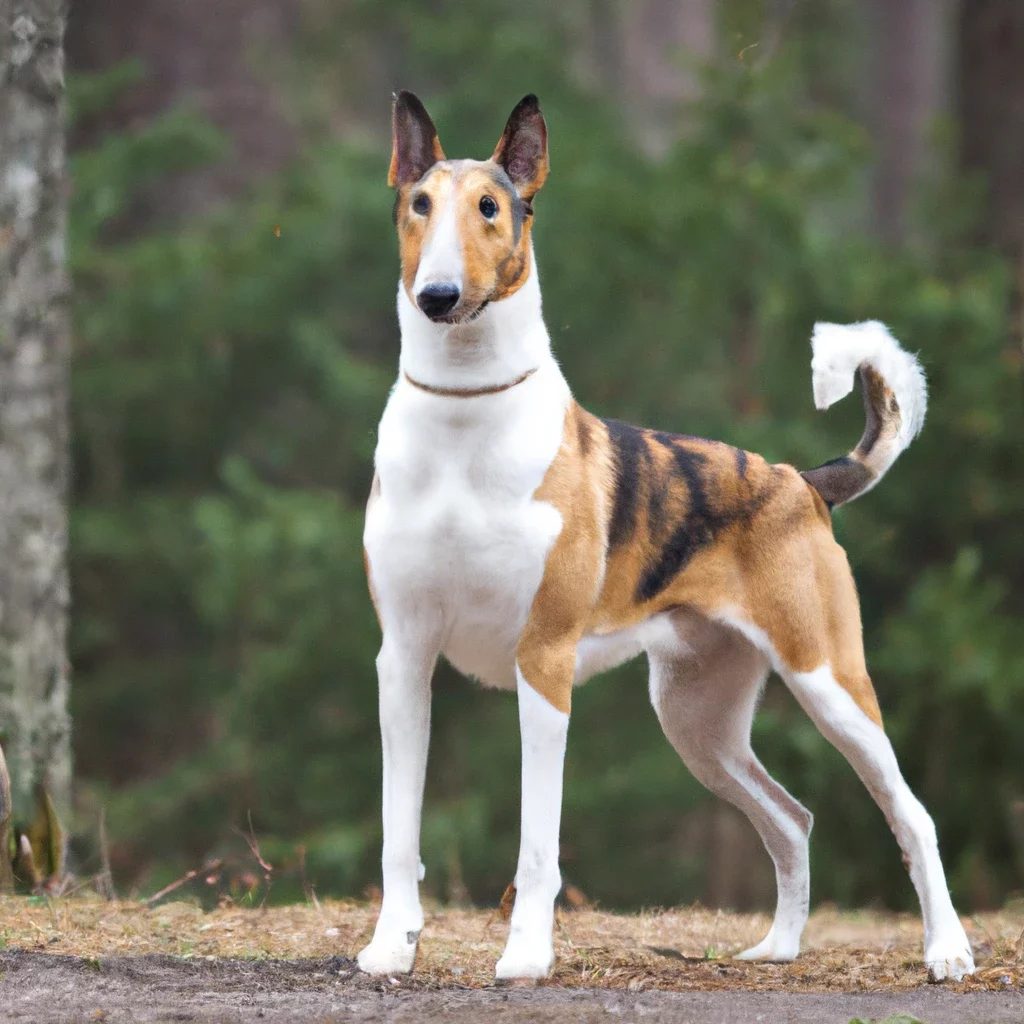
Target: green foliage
<point x="228" y="380"/>
<point x="899" y="1018"/>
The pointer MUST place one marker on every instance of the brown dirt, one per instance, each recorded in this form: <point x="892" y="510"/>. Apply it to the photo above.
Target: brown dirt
<point x="87" y="959"/>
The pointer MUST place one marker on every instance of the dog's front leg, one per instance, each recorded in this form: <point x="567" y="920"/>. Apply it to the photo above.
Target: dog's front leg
<point x="544" y="684"/>
<point x="404" y="669"/>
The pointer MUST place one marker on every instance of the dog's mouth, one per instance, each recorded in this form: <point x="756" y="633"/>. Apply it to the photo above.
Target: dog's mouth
<point x="461" y="316"/>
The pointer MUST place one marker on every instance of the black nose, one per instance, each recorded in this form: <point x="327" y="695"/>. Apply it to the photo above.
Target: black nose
<point x="437" y="300"/>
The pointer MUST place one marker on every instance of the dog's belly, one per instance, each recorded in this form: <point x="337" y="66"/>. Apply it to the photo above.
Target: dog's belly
<point x="601" y="652"/>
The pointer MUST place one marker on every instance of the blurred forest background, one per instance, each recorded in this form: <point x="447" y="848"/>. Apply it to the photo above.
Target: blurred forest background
<point x="723" y="174"/>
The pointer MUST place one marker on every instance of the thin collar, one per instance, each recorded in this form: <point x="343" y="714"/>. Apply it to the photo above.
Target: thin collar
<point x="491" y="389"/>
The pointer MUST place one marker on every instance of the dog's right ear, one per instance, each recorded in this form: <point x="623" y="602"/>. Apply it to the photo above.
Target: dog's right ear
<point x="414" y="144"/>
<point x="523" y="148"/>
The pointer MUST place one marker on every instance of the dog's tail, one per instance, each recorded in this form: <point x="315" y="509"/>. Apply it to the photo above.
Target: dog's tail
<point x="895" y="398"/>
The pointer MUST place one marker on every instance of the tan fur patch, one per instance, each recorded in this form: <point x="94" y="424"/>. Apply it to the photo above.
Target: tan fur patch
<point x="414" y="228"/>
<point x="496" y="264"/>
<point x="495" y="256"/>
<point x="689" y="523"/>
<point x="561" y="609"/>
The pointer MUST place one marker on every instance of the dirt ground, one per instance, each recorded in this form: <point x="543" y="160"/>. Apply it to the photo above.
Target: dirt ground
<point x="84" y="959"/>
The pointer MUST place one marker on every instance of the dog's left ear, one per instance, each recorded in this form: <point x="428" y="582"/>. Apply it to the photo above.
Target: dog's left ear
<point x="414" y="144"/>
<point x="523" y="148"/>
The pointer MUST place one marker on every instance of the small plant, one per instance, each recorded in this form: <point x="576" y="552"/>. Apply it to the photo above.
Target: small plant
<point x="899" y="1018"/>
<point x="31" y="857"/>
<point x="6" y="870"/>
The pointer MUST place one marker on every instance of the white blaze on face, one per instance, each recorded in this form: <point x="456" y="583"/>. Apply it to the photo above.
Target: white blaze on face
<point x="441" y="257"/>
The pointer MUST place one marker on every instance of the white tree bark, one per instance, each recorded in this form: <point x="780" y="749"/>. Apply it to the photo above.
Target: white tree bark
<point x="34" y="722"/>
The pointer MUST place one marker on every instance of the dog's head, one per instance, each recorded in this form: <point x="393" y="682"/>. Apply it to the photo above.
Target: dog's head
<point x="464" y="225"/>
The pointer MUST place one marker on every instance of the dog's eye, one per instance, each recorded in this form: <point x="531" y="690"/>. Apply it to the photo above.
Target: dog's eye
<point x="488" y="207"/>
<point x="421" y="204"/>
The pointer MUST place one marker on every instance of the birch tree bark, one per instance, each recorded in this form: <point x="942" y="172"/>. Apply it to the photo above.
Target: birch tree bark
<point x="34" y="721"/>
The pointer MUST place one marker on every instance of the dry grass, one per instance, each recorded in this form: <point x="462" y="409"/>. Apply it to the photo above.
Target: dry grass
<point x="678" y="950"/>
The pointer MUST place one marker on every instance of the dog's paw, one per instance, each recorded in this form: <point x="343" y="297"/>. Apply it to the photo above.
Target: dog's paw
<point x="772" y="948"/>
<point x="949" y="956"/>
<point x="954" y="965"/>
<point x="524" y="959"/>
<point x="389" y="955"/>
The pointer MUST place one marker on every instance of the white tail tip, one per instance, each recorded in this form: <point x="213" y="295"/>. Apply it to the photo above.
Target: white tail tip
<point x="839" y="349"/>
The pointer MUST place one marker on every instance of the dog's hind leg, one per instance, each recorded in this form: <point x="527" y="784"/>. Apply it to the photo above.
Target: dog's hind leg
<point x="809" y="625"/>
<point x="947" y="950"/>
<point x="705" y="702"/>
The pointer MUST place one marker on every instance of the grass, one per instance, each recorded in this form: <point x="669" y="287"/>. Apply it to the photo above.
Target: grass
<point x="682" y="949"/>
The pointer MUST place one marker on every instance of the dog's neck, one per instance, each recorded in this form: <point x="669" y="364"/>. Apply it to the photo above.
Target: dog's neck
<point x="507" y="340"/>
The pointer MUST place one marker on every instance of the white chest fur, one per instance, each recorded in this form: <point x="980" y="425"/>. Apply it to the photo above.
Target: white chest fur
<point x="457" y="543"/>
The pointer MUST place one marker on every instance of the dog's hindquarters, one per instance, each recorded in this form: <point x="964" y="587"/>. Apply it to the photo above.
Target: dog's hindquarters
<point x="802" y="614"/>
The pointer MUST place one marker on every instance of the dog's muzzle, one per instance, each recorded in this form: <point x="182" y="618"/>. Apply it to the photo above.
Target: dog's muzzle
<point x="438" y="300"/>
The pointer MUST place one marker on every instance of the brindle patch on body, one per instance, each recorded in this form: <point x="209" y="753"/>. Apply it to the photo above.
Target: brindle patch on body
<point x="655" y="521"/>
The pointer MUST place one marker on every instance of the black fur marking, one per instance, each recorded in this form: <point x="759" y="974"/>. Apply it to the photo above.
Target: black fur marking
<point x="839" y="480"/>
<point x="630" y="451"/>
<point x="638" y="478"/>
<point x="663" y="437"/>
<point x="704" y="519"/>
<point x="503" y="182"/>
<point x="520" y="258"/>
<point x="583" y="434"/>
<point x="697" y="530"/>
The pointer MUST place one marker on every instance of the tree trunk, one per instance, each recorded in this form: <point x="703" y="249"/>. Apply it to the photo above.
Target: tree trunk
<point x="991" y="68"/>
<point x="34" y="722"/>
<point x="663" y="41"/>
<point x="911" y="46"/>
<point x="645" y="54"/>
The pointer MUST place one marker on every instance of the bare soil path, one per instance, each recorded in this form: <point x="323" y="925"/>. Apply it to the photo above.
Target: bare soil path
<point x="88" y="960"/>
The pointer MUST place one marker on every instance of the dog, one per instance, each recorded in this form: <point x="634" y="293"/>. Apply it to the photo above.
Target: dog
<point x="535" y="545"/>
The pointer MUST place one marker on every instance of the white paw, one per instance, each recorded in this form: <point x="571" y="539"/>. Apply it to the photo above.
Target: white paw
<point x="777" y="950"/>
<point x="391" y="955"/>
<point x="954" y="965"/>
<point x="525" y="959"/>
<point x="949" y="957"/>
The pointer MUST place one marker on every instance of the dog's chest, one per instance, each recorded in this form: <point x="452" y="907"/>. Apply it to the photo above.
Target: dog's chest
<point x="456" y="540"/>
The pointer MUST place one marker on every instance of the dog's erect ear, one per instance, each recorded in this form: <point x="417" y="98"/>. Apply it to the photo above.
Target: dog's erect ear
<point x="414" y="145"/>
<point x="523" y="148"/>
